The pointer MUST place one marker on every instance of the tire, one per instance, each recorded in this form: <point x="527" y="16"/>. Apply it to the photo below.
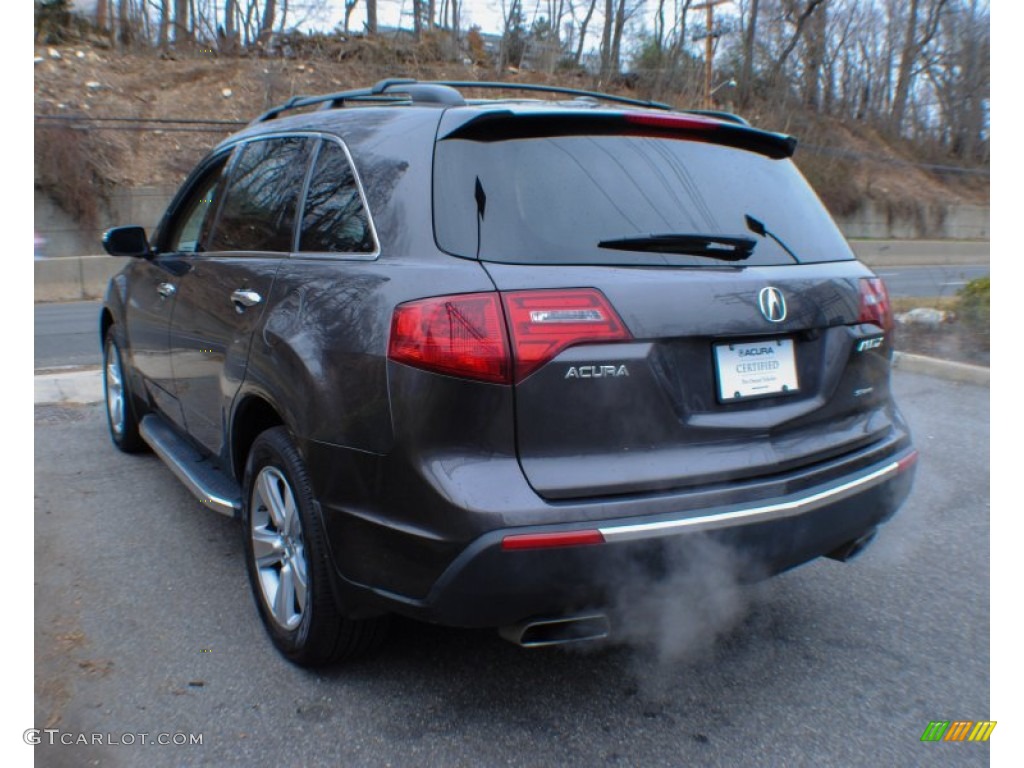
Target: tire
<point x="286" y="557"/>
<point x="121" y="407"/>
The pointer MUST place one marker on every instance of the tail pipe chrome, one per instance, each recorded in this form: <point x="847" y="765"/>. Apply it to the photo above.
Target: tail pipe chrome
<point x="851" y="549"/>
<point x="545" y="632"/>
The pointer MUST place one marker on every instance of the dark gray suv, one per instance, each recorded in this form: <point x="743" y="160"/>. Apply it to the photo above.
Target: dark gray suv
<point x="467" y="360"/>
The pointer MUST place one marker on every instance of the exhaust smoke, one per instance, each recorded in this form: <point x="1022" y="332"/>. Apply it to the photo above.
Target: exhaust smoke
<point x="675" y="608"/>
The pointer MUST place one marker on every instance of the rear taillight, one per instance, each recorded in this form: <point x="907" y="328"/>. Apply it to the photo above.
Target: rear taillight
<point x="465" y="335"/>
<point x="460" y="335"/>
<point x="875" y="306"/>
<point x="543" y="323"/>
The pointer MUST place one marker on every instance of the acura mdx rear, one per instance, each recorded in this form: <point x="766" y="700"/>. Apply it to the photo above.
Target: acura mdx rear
<point x="474" y="362"/>
<point x="679" y="342"/>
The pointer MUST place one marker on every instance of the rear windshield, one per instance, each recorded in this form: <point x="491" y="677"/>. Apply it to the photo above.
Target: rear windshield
<point x="552" y="200"/>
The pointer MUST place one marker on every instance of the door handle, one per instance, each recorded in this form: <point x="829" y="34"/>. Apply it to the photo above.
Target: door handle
<point x="166" y="290"/>
<point x="243" y="298"/>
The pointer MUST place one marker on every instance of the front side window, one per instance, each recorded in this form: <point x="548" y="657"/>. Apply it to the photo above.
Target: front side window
<point x="193" y="222"/>
<point x="258" y="212"/>
<point x="334" y="219"/>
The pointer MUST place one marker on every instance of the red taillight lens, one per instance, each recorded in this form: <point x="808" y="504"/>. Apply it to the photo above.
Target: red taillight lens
<point x="460" y="335"/>
<point x="673" y="122"/>
<point x="543" y="323"/>
<point x="465" y="336"/>
<point x="547" y="540"/>
<point x="875" y="306"/>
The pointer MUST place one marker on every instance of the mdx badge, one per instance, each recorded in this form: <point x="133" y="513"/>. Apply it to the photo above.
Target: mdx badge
<point x="772" y="304"/>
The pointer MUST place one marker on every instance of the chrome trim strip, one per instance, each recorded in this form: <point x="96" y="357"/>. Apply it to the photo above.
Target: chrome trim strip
<point x="777" y="511"/>
<point x="233" y="143"/>
<point x="228" y="507"/>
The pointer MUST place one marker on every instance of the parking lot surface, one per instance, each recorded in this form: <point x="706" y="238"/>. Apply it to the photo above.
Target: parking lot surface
<point x="145" y="624"/>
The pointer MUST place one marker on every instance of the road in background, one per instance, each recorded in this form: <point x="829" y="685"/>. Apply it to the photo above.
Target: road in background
<point x="928" y="281"/>
<point x="67" y="334"/>
<point x="144" y="623"/>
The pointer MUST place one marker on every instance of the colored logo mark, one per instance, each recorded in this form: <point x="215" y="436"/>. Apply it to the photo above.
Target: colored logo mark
<point x="958" y="730"/>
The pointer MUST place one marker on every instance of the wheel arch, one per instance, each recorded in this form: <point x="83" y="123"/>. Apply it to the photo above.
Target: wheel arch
<point x="253" y="414"/>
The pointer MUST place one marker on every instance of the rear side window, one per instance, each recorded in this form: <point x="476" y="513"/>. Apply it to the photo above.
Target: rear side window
<point x="334" y="218"/>
<point x="262" y="195"/>
<point x="554" y="200"/>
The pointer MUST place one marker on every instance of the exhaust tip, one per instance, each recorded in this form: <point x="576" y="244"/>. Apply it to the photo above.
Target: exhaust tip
<point x="851" y="549"/>
<point x="546" y="632"/>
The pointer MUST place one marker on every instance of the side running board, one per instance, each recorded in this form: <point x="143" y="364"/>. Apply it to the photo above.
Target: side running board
<point x="211" y="485"/>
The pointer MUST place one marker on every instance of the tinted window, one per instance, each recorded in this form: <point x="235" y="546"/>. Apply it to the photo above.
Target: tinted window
<point x="258" y="213"/>
<point x="334" y="219"/>
<point x="193" y="220"/>
<point x="552" y="200"/>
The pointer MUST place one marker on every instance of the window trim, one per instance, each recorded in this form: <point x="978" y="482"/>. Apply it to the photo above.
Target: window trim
<point x="171" y="218"/>
<point x="301" y="213"/>
<point x="236" y="148"/>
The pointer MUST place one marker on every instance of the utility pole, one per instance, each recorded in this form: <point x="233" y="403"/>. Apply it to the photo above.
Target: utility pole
<point x="709" y="39"/>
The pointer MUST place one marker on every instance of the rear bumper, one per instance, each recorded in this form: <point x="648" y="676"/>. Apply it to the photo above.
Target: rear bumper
<point x="490" y="584"/>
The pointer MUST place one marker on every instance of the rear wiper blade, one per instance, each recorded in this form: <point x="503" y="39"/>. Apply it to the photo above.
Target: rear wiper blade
<point x="691" y="244"/>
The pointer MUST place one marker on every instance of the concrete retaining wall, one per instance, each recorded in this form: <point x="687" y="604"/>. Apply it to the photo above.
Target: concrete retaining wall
<point x="65" y="237"/>
<point x="145" y="206"/>
<point x="75" y="277"/>
<point x="917" y="221"/>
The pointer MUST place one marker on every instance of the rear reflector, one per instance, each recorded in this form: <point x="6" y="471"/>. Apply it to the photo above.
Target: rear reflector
<point x="461" y="335"/>
<point x="907" y="462"/>
<point x="547" y="540"/>
<point x="875" y="306"/>
<point x="543" y="323"/>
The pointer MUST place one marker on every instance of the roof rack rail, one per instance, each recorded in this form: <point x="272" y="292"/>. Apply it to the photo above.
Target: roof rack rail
<point x="439" y="92"/>
<point x="554" y="89"/>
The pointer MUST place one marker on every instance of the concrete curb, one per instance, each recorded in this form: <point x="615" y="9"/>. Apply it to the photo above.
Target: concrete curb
<point x="85" y="387"/>
<point x="943" y="369"/>
<point x="80" y="387"/>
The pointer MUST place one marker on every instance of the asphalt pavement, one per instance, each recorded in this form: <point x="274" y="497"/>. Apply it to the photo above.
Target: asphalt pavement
<point x="144" y="624"/>
<point x="67" y="334"/>
<point x="927" y="281"/>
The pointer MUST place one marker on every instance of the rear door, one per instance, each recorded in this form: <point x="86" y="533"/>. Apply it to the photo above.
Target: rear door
<point x="223" y="295"/>
<point x="703" y="316"/>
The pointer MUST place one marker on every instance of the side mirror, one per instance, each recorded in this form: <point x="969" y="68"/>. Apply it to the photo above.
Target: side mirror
<point x="127" y="241"/>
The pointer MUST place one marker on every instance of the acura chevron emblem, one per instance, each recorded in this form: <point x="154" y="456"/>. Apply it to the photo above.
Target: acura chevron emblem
<point x="772" y="305"/>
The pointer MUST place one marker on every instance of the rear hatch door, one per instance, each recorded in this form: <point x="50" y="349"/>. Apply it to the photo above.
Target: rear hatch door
<point x="710" y="323"/>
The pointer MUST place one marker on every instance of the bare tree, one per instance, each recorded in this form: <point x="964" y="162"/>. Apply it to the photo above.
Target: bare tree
<point x="583" y="32"/>
<point x="919" y="33"/>
<point x="267" y="22"/>
<point x="101" y="14"/>
<point x="797" y="13"/>
<point x="182" y="30"/>
<point x="165" y="22"/>
<point x="371" y="17"/>
<point x="749" y="36"/>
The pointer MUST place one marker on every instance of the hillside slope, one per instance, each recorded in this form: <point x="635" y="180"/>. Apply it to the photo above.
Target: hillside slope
<point x="848" y="164"/>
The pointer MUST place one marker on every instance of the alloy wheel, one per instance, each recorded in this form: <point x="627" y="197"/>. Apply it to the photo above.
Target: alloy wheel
<point x="278" y="549"/>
